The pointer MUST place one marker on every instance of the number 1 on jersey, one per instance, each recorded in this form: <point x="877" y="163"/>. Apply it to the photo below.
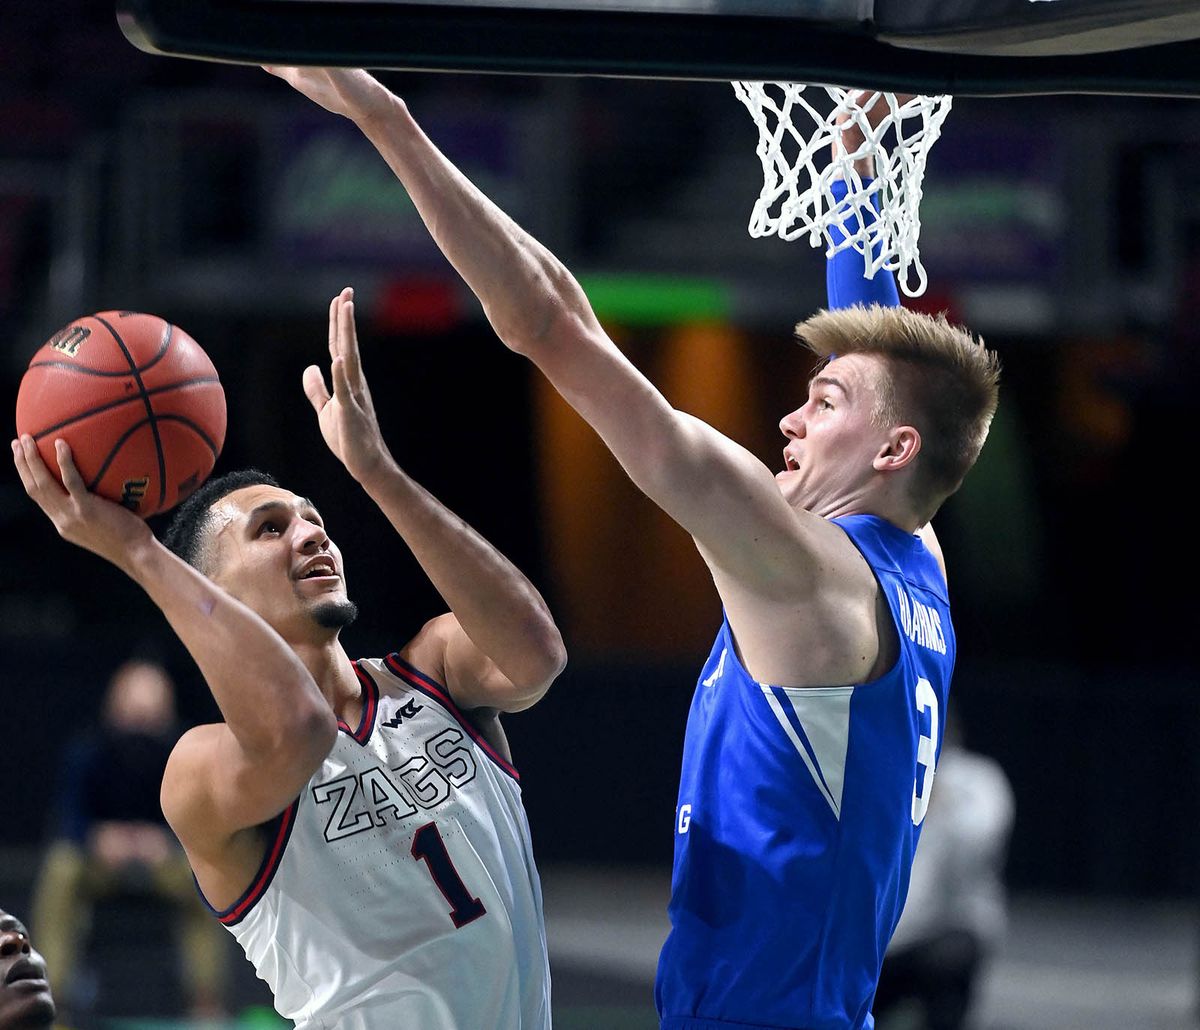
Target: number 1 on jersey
<point x="428" y="845"/>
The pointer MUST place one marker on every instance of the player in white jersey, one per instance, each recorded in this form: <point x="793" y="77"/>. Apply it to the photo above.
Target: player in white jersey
<point x="446" y="926"/>
<point x="357" y="825"/>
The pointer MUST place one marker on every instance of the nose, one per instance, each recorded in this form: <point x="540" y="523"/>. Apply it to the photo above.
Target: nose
<point x="792" y="425"/>
<point x="13" y="941"/>
<point x="311" y="538"/>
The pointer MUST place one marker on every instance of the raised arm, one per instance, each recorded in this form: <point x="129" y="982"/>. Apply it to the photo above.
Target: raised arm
<point x="499" y="647"/>
<point x="845" y="284"/>
<point x="224" y="777"/>
<point x="724" y="496"/>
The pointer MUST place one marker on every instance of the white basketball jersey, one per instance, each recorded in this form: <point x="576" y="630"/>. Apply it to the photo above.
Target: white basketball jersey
<point x="399" y="890"/>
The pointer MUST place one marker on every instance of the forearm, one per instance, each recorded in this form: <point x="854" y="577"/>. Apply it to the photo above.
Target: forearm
<point x="526" y="292"/>
<point x="260" y="685"/>
<point x="845" y="283"/>
<point x="539" y="310"/>
<point x="497" y="607"/>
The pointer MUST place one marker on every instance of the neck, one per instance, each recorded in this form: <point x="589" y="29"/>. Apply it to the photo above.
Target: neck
<point x="880" y="504"/>
<point x="330" y="666"/>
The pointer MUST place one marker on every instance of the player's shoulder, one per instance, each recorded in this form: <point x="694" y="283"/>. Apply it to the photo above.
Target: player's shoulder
<point x="416" y="665"/>
<point x="406" y="686"/>
<point x="820" y="561"/>
<point x="425" y="651"/>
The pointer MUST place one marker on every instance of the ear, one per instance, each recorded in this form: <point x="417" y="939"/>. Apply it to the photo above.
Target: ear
<point x="900" y="449"/>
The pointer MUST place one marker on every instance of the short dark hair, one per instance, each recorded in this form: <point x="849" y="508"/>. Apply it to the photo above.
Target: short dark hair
<point x="185" y="532"/>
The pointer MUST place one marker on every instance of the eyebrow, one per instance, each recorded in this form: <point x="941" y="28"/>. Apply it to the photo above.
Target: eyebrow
<point x="829" y="381"/>
<point x="268" y="506"/>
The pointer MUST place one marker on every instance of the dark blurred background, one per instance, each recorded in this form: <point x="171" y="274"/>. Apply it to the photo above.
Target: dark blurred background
<point x="1063" y="229"/>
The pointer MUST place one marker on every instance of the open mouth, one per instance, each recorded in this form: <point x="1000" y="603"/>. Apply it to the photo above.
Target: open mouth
<point x="322" y="569"/>
<point x="790" y="463"/>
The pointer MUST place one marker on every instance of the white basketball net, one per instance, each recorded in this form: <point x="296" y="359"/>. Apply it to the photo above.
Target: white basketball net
<point x="797" y="195"/>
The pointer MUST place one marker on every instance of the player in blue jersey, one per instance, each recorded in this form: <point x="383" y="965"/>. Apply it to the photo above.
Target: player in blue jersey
<point x="813" y="737"/>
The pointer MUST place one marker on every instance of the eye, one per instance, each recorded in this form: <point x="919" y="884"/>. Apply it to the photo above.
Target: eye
<point x="270" y="526"/>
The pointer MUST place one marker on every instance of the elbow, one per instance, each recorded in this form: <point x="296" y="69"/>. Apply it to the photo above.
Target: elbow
<point x="554" y="308"/>
<point x="549" y="651"/>
<point x="554" y="656"/>
<point x="545" y="662"/>
<point x="320" y="731"/>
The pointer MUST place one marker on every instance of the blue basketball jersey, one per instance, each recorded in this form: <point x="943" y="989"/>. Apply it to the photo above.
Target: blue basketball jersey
<point x="799" y="811"/>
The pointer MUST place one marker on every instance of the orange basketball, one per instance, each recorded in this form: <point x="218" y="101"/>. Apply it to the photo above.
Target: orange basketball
<point x="138" y="401"/>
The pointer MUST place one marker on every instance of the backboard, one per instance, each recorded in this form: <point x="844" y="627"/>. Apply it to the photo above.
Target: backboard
<point x="972" y="47"/>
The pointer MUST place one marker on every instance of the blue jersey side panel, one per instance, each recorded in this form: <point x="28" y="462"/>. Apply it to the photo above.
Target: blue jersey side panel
<point x="795" y="825"/>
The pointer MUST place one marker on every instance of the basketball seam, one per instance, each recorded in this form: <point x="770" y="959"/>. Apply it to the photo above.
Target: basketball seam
<point x="194" y="426"/>
<point x="138" y="425"/>
<point x="137" y="375"/>
<point x="181" y="384"/>
<point x="82" y="370"/>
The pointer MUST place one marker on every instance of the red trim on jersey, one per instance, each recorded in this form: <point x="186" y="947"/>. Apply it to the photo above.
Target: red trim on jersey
<point x="370" y="705"/>
<point x="431" y="688"/>
<point x="266" y="872"/>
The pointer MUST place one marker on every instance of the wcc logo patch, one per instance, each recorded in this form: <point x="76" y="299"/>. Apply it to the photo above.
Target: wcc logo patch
<point x="407" y="712"/>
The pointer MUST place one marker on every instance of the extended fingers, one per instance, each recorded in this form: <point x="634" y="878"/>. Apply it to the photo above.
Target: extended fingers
<point x="334" y="307"/>
<point x="36" y="478"/>
<point x="39" y="476"/>
<point x="18" y="450"/>
<point x="71" y="478"/>
<point x="348" y="332"/>
<point x="314" y="388"/>
<point x="335" y="314"/>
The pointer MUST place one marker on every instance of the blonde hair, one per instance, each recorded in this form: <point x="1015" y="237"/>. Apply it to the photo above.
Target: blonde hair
<point x="943" y="381"/>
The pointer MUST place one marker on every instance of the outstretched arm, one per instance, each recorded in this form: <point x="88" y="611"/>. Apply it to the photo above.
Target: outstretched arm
<point x="499" y="648"/>
<point x="845" y="283"/>
<point x="715" y="489"/>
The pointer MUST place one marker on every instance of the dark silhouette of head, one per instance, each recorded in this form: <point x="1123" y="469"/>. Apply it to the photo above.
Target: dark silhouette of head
<point x="25" y="999"/>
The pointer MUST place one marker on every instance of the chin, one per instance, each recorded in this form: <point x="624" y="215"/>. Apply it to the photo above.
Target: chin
<point x="38" y="1012"/>
<point x="334" y="614"/>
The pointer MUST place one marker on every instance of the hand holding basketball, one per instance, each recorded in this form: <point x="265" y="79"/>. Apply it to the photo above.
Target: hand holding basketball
<point x="81" y="517"/>
<point x="347" y="416"/>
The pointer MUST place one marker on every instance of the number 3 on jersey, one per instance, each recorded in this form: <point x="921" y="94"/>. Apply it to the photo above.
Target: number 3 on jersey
<point x="926" y="700"/>
<point x="428" y="845"/>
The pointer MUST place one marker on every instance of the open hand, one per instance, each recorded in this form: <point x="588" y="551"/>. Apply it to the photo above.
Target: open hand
<point x="80" y="516"/>
<point x="347" y="416"/>
<point x="350" y="92"/>
<point x="851" y="135"/>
